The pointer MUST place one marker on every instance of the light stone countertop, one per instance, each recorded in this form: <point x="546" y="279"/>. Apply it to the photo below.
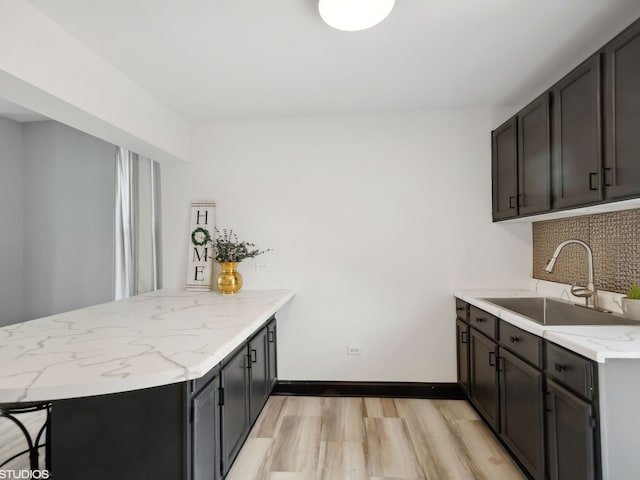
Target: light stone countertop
<point x="597" y="342"/>
<point x="154" y="339"/>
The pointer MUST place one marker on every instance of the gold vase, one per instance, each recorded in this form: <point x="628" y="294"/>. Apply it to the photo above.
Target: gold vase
<point x="229" y="280"/>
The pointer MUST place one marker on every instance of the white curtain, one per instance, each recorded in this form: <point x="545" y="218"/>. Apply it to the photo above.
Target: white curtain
<point x="138" y="246"/>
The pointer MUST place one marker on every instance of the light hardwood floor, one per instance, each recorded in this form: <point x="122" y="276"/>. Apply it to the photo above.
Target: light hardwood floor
<point x="314" y="438"/>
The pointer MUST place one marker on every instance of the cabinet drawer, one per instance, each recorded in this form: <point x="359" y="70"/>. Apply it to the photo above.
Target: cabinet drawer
<point x="570" y="369"/>
<point x="523" y="344"/>
<point x="483" y="321"/>
<point x="462" y="310"/>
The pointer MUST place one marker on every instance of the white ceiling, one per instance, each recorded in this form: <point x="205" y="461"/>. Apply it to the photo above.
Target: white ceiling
<point x="209" y="59"/>
<point x="17" y="113"/>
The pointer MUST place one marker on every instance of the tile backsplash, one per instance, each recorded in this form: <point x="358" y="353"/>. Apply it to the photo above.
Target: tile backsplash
<point x="614" y="238"/>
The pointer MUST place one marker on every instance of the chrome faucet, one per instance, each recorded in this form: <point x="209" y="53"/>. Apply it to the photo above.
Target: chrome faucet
<point x="590" y="290"/>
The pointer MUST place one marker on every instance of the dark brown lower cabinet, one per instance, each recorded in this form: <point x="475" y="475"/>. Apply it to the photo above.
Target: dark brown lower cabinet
<point x="272" y="354"/>
<point x="462" y="349"/>
<point x="235" y="406"/>
<point x="521" y="412"/>
<point x="540" y="399"/>
<point x="247" y="378"/>
<point x="570" y="435"/>
<point x="483" y="377"/>
<point x="259" y="364"/>
<point x="205" y="432"/>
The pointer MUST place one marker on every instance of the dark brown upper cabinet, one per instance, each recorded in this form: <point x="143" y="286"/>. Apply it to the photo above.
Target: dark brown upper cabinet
<point x="521" y="162"/>
<point x="622" y="115"/>
<point x="579" y="143"/>
<point x="504" y="170"/>
<point x="534" y="157"/>
<point x="577" y="136"/>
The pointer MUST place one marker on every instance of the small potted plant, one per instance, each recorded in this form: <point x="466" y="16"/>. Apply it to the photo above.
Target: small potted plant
<point x="631" y="303"/>
<point x="228" y="251"/>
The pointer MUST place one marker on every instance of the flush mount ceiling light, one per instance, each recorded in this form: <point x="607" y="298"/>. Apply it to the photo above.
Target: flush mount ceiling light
<point x="352" y="15"/>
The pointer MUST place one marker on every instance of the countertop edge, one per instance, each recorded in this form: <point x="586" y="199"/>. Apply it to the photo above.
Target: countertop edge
<point x="104" y="386"/>
<point x="597" y="343"/>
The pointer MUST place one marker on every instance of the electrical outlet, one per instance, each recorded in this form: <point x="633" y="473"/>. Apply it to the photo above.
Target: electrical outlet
<point x="353" y="350"/>
<point x="261" y="266"/>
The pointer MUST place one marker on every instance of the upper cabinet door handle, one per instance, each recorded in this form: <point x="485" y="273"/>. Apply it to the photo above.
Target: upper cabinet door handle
<point x="607" y="180"/>
<point x="591" y="175"/>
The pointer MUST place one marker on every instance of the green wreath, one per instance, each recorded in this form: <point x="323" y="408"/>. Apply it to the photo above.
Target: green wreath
<point x="205" y="240"/>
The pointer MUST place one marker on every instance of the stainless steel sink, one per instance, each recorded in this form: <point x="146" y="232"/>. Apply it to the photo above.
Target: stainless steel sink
<point x="548" y="311"/>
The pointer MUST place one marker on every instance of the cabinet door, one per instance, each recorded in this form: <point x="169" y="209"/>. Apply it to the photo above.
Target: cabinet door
<point x="259" y="364"/>
<point x="577" y="137"/>
<point x="534" y="157"/>
<point x="504" y="173"/>
<point x="462" y="342"/>
<point x="205" y="433"/>
<point x="622" y="115"/>
<point x="522" y="412"/>
<point x="272" y="338"/>
<point x="570" y="435"/>
<point x="235" y="406"/>
<point x="483" y="377"/>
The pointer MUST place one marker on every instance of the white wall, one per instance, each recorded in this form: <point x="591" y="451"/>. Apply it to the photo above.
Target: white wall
<point x="69" y="209"/>
<point x="45" y="69"/>
<point x="10" y="222"/>
<point x="374" y="219"/>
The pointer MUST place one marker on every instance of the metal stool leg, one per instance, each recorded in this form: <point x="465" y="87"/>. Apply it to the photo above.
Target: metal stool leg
<point x="47" y="447"/>
<point x="9" y="412"/>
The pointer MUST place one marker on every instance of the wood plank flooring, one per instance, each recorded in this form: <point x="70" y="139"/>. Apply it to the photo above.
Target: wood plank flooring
<point x="313" y="438"/>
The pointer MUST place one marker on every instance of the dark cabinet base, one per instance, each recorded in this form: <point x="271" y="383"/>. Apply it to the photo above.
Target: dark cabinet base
<point x="204" y="441"/>
<point x="483" y="377"/>
<point x="540" y="399"/>
<point x="570" y="435"/>
<point x="260" y="382"/>
<point x="462" y="351"/>
<point x="521" y="412"/>
<point x="247" y="379"/>
<point x="235" y="406"/>
<point x="128" y="436"/>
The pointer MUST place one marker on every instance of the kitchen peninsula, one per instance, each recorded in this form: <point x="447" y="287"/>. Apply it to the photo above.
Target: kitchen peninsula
<point x="135" y="383"/>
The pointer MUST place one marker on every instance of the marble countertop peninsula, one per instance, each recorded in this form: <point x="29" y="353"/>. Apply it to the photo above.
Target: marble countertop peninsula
<point x="597" y="342"/>
<point x="159" y="338"/>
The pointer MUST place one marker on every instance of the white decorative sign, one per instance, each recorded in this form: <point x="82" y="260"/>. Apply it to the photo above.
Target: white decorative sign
<point x="200" y="263"/>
